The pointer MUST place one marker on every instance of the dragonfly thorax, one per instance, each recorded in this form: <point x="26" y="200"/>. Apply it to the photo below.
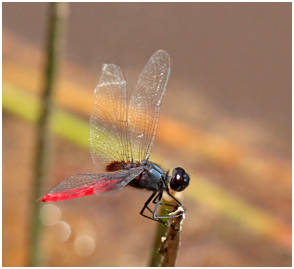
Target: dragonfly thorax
<point x="150" y="179"/>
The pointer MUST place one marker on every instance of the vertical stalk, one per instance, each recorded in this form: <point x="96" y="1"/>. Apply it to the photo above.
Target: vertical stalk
<point x="156" y="257"/>
<point x="167" y="239"/>
<point x="55" y="45"/>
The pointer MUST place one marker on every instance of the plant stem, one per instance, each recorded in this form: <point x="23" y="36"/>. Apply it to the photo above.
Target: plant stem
<point x="170" y="245"/>
<point x="55" y="44"/>
<point x="156" y="257"/>
<point x="167" y="239"/>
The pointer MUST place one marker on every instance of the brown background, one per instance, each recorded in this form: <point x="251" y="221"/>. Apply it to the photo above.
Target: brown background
<point x="231" y="72"/>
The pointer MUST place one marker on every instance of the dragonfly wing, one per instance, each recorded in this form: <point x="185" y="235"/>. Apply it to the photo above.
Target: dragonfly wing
<point x="143" y="113"/>
<point x="108" y="121"/>
<point x="86" y="184"/>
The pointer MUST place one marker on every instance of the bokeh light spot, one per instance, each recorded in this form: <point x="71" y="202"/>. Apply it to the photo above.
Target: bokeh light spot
<point x="84" y="245"/>
<point x="50" y="214"/>
<point x="62" y="231"/>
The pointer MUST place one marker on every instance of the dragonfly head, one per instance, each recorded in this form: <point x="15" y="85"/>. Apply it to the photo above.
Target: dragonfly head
<point x="179" y="179"/>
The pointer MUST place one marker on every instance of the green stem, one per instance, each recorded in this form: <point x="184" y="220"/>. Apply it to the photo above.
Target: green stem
<point x="167" y="239"/>
<point x="156" y="257"/>
<point x="58" y="15"/>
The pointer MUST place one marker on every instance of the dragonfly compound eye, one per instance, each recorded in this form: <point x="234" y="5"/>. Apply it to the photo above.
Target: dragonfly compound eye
<point x="179" y="179"/>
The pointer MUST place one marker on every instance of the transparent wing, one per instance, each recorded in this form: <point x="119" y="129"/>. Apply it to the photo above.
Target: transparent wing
<point x="144" y="108"/>
<point x="108" y="121"/>
<point x="86" y="184"/>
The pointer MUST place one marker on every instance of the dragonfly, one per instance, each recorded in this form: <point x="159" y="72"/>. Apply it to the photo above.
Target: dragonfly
<point x="121" y="137"/>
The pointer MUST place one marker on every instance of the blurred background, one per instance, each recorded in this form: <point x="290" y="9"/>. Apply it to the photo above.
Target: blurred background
<point x="226" y="118"/>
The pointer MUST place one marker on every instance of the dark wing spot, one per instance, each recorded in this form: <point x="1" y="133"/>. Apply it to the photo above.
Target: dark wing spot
<point x="115" y="166"/>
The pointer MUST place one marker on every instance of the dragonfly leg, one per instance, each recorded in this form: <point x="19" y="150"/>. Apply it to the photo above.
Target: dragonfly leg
<point x="179" y="203"/>
<point x="146" y="207"/>
<point x="169" y="216"/>
<point x="157" y="200"/>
